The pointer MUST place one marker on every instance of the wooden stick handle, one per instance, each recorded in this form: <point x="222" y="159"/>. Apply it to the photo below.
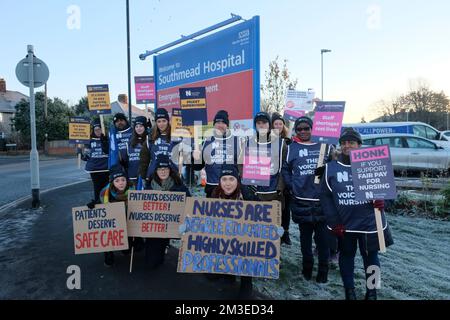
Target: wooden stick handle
<point x="79" y="158"/>
<point x="131" y="258"/>
<point x="380" y="232"/>
<point x="102" y="124"/>
<point x="323" y="149"/>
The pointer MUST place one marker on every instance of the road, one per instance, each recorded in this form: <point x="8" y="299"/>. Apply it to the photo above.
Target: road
<point x="15" y="173"/>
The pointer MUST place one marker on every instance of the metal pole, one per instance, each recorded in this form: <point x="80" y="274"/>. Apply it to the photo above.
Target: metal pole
<point x="34" y="155"/>
<point x="321" y="68"/>
<point x="129" y="66"/>
<point x="45" y="119"/>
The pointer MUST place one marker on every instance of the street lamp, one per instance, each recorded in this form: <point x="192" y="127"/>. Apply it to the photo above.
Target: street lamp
<point x="322" y="51"/>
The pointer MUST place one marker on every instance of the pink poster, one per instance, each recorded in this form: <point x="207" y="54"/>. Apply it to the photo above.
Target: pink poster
<point x="145" y="90"/>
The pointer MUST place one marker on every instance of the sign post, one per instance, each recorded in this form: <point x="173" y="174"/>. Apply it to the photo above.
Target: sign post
<point x="328" y="118"/>
<point x="373" y="179"/>
<point x="33" y="73"/>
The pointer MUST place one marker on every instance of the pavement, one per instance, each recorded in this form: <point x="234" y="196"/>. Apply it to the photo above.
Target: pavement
<point x="36" y="248"/>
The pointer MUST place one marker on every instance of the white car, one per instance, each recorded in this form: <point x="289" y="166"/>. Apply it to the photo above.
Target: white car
<point x="412" y="153"/>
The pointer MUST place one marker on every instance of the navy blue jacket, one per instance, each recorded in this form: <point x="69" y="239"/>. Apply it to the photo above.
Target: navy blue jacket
<point x="158" y="147"/>
<point x="338" y="201"/>
<point x="96" y="159"/>
<point x="298" y="174"/>
<point x="132" y="160"/>
<point x="217" y="151"/>
<point x="276" y="155"/>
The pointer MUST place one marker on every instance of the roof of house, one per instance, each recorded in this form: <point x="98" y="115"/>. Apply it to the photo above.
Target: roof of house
<point x="117" y="106"/>
<point x="9" y="99"/>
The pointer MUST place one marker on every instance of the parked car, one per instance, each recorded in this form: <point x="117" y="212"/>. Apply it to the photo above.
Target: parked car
<point x="419" y="129"/>
<point x="412" y="153"/>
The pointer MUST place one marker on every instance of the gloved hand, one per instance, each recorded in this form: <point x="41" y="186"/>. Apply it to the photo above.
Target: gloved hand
<point x="338" y="230"/>
<point x="91" y="205"/>
<point x="378" y="204"/>
<point x="319" y="171"/>
<point x="84" y="157"/>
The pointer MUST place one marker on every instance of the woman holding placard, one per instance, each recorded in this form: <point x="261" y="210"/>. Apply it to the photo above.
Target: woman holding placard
<point x="164" y="179"/>
<point x="230" y="187"/>
<point x="353" y="222"/>
<point x="96" y="158"/>
<point x="134" y="147"/>
<point x="279" y="127"/>
<point x="116" y="191"/>
<point x="159" y="143"/>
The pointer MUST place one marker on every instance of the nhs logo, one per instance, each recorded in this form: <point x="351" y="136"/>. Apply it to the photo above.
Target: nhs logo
<point x="303" y="153"/>
<point x="342" y="177"/>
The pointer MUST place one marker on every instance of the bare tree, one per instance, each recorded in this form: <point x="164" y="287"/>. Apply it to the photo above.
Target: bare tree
<point x="277" y="81"/>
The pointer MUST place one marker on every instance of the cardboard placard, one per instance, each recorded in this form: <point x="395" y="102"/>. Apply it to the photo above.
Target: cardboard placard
<point x="231" y="237"/>
<point x="98" y="99"/>
<point x="327" y="125"/>
<point x="155" y="214"/>
<point x="101" y="229"/>
<point x="79" y="130"/>
<point x="372" y="173"/>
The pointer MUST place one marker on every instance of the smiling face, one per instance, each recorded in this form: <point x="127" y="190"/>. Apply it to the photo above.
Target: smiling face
<point x="163" y="173"/>
<point x="120" y="124"/>
<point x="98" y="132"/>
<point x="262" y="126"/>
<point x="228" y="184"/>
<point x="278" y="126"/>
<point x="120" y="183"/>
<point x="220" y="127"/>
<point x="162" y="124"/>
<point x="303" y="131"/>
<point x="139" y="128"/>
<point x="347" y="146"/>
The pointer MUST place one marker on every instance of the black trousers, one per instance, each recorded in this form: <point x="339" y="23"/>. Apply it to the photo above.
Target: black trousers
<point x="286" y="214"/>
<point x="155" y="251"/>
<point x="320" y="231"/>
<point x="99" y="180"/>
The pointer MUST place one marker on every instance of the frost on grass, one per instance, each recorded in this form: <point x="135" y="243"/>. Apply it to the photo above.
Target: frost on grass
<point x="415" y="267"/>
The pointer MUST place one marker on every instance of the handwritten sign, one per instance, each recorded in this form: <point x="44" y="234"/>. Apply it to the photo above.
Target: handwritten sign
<point x="231" y="237"/>
<point x="155" y="214"/>
<point x="101" y="229"/>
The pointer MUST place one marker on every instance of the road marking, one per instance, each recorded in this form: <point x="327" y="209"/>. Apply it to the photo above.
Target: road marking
<point x="23" y="199"/>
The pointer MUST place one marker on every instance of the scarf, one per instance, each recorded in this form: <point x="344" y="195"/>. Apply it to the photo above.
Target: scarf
<point x="164" y="186"/>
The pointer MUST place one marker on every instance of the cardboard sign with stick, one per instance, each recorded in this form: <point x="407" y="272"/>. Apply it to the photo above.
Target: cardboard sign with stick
<point x="79" y="134"/>
<point x="328" y="117"/>
<point x="98" y="99"/>
<point x="101" y="229"/>
<point x="231" y="237"/>
<point x="373" y="179"/>
<point x="155" y="214"/>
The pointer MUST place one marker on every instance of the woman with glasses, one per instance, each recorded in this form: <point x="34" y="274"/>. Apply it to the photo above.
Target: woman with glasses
<point x="299" y="174"/>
